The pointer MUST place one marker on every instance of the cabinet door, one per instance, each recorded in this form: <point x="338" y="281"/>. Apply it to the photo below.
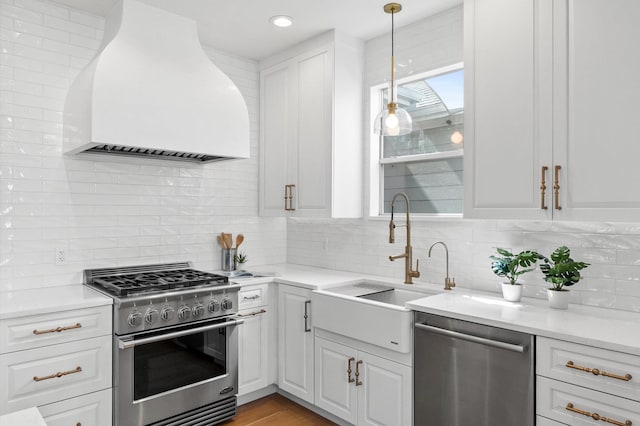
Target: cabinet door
<point x="314" y="136"/>
<point x="253" y="350"/>
<point x="295" y="342"/>
<point x="333" y="390"/>
<point x="277" y="104"/>
<point x="596" y="96"/>
<point x="385" y="397"/>
<point x="507" y="113"/>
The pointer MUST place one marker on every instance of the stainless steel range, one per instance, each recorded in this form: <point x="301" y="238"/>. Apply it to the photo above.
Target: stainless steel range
<point x="175" y="353"/>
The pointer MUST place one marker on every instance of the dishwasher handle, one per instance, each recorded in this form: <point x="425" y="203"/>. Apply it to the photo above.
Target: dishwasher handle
<point x="474" y="339"/>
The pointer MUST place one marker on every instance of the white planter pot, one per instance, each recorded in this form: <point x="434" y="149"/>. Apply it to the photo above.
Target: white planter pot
<point x="511" y="292"/>
<point x="559" y="299"/>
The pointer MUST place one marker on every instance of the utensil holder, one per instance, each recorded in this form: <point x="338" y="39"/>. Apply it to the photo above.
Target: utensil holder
<point x="228" y="261"/>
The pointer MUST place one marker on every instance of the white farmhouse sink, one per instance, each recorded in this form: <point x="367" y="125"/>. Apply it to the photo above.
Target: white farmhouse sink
<point x="367" y="311"/>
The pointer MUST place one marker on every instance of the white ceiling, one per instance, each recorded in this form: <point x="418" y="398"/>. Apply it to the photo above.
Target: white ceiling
<point x="242" y="27"/>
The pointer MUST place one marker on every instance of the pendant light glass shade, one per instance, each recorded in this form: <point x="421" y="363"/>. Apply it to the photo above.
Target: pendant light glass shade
<point x="392" y="120"/>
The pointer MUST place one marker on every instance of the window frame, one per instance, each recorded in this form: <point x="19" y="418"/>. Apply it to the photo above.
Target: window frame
<point x="376" y="162"/>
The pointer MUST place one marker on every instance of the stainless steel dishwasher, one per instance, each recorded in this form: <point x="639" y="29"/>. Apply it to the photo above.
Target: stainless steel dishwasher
<point x="467" y="374"/>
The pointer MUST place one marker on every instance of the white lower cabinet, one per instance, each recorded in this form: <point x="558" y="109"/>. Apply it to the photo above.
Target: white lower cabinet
<point x="543" y="421"/>
<point x="361" y="388"/>
<point x="295" y="342"/>
<point x="583" y="385"/>
<point x="91" y="409"/>
<point x="253" y="340"/>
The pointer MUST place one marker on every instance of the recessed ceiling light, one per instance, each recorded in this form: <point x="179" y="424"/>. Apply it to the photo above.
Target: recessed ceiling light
<point x="281" y="20"/>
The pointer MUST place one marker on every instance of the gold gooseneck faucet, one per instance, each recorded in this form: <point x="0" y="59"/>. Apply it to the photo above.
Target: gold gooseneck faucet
<point x="449" y="283"/>
<point x="409" y="274"/>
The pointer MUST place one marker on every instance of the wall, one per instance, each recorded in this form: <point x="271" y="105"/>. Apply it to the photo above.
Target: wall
<point x="108" y="212"/>
<point x="612" y="280"/>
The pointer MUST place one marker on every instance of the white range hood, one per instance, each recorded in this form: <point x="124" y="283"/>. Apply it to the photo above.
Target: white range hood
<point x="151" y="91"/>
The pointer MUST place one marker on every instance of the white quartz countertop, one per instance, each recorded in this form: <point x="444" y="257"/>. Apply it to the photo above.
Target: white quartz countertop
<point x="20" y="303"/>
<point x="603" y="328"/>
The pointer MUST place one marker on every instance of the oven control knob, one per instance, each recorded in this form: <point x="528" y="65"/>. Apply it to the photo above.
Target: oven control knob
<point x="151" y="315"/>
<point x="198" y="309"/>
<point x="214" y="305"/>
<point x="227" y="304"/>
<point x="167" y="313"/>
<point x="135" y="318"/>
<point x="184" y="312"/>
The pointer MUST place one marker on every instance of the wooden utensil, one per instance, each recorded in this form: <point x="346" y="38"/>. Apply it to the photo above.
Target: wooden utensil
<point x="221" y="242"/>
<point x="228" y="240"/>
<point x="239" y="240"/>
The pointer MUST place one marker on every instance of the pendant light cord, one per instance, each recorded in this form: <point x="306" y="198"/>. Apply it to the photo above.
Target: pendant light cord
<point x="391" y="99"/>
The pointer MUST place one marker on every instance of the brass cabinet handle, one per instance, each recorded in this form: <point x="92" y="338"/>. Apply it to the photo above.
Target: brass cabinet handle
<point x="288" y="198"/>
<point x="358" y="382"/>
<point x="556" y="187"/>
<point x="349" y="361"/>
<point x="252" y="314"/>
<point x="597" y="372"/>
<point x="306" y="316"/>
<point x="596" y="416"/>
<point x="57" y="375"/>
<point x="543" y="188"/>
<point x="58" y="329"/>
<point x="254" y="297"/>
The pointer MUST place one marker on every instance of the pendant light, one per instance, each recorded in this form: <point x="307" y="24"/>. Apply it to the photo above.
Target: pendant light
<point x="392" y="120"/>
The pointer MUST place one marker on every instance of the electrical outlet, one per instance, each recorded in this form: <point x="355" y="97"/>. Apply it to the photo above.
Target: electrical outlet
<point x="61" y="256"/>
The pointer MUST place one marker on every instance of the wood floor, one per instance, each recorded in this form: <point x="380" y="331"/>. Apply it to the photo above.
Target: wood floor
<point x="275" y="410"/>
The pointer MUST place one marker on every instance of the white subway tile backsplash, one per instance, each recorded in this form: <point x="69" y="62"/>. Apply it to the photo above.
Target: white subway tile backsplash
<point x="108" y="212"/>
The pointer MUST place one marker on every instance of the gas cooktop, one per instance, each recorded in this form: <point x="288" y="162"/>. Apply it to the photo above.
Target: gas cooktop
<point x="136" y="280"/>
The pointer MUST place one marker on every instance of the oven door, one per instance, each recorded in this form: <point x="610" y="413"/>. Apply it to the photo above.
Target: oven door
<point x="162" y="373"/>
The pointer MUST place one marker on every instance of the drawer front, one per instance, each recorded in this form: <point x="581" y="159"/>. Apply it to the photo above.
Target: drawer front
<point x="93" y="409"/>
<point x="45" y="375"/>
<point x="578" y="406"/>
<point x="255" y="295"/>
<point x="604" y="370"/>
<point x="48" y="329"/>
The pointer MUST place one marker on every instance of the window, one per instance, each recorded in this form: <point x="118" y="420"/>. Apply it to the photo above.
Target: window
<point x="427" y="163"/>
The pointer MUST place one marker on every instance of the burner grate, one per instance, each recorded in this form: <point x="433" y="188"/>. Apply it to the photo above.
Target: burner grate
<point x="142" y="280"/>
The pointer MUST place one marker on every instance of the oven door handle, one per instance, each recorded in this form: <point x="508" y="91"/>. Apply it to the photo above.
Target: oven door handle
<point x="128" y="344"/>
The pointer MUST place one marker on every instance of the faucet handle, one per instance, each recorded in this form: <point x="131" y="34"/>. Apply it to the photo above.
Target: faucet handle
<point x="449" y="283"/>
<point x="416" y="273"/>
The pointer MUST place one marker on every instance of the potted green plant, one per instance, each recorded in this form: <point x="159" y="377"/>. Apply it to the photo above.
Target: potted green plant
<point x="561" y="271"/>
<point x="511" y="266"/>
<point x="240" y="259"/>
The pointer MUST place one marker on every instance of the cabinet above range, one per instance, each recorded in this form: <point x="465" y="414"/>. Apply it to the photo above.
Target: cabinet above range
<point x="311" y="129"/>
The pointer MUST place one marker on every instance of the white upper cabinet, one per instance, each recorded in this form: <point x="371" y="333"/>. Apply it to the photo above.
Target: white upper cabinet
<point x="549" y="94"/>
<point x="310" y="130"/>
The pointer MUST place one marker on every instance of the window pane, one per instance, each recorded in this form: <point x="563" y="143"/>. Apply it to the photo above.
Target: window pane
<point x="436" y="107"/>
<point x="432" y="186"/>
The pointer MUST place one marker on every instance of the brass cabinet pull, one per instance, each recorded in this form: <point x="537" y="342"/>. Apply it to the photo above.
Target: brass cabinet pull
<point x="349" y="361"/>
<point x="288" y="198"/>
<point x="597" y="372"/>
<point x="58" y="329"/>
<point x="254" y="297"/>
<point x="57" y="375"/>
<point x="596" y="416"/>
<point x="543" y="188"/>
<point x="306" y="316"/>
<point x="556" y="187"/>
<point x="252" y="314"/>
<point x="358" y="382"/>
